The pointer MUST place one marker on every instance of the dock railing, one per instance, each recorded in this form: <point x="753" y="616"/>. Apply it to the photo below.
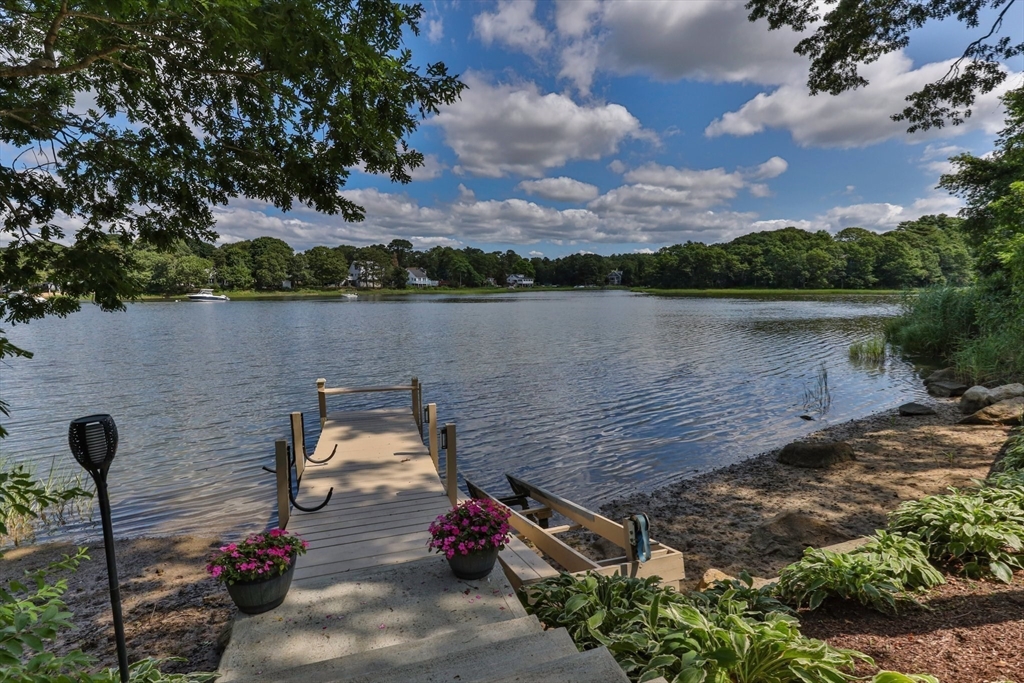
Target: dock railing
<point x="414" y="388"/>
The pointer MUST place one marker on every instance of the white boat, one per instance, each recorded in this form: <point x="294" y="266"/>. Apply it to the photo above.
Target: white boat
<point x="207" y="295"/>
<point x="349" y="295"/>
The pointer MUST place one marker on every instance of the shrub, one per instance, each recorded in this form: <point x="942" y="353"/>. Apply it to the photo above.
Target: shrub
<point x="755" y="603"/>
<point x="875" y="574"/>
<point x="974" y="533"/>
<point x="936" y="321"/>
<point x="654" y="631"/>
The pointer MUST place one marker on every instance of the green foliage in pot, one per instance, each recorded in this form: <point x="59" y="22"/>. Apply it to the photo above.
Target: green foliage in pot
<point x="976" y="533"/>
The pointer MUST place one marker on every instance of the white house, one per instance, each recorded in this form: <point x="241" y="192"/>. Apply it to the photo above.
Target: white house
<point x="518" y="280"/>
<point x="418" y="278"/>
<point x="363" y="274"/>
<point x="615" y="278"/>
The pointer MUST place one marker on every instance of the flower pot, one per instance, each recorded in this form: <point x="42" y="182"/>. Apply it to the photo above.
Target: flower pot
<point x="476" y="565"/>
<point x="262" y="595"/>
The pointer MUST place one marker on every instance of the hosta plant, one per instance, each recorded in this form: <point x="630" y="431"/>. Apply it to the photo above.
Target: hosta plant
<point x="822" y="574"/>
<point x="739" y="594"/>
<point x="976" y="533"/>
<point x="654" y="631"/>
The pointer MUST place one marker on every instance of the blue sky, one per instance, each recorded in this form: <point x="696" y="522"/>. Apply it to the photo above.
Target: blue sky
<point x="612" y="126"/>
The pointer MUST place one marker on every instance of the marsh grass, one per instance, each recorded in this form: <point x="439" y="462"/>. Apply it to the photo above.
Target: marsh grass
<point x="818" y="398"/>
<point x="23" y="526"/>
<point x="868" y="350"/>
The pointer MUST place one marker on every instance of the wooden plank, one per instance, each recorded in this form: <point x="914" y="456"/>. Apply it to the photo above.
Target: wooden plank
<point x="522" y="565"/>
<point x="321" y="571"/>
<point x="560" y="552"/>
<point x="355" y="516"/>
<point x="335" y="391"/>
<point x="342" y="553"/>
<point x="600" y="525"/>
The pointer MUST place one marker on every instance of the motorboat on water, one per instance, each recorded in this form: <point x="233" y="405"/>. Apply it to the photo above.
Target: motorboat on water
<point x="349" y="295"/>
<point x="207" y="295"/>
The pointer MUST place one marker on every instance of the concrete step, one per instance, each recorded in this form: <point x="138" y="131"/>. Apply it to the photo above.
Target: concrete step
<point x="453" y="657"/>
<point x="420" y="654"/>
<point x="592" y="666"/>
<point x="364" y="610"/>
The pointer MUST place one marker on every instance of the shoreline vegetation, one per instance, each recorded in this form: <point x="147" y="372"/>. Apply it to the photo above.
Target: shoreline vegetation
<point x="712" y="518"/>
<point x="254" y="295"/>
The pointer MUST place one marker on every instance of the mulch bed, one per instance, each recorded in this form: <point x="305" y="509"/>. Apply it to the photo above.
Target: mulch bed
<point x="967" y="632"/>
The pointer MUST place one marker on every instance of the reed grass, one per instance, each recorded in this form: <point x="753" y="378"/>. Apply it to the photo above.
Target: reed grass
<point x="22" y="525"/>
<point x="818" y="398"/>
<point x="868" y="350"/>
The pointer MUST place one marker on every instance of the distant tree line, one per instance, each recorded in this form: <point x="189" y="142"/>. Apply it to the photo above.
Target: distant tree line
<point x="928" y="251"/>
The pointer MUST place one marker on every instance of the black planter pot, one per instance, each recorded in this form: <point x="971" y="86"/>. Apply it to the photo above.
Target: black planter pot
<point x="475" y="565"/>
<point x="262" y="595"/>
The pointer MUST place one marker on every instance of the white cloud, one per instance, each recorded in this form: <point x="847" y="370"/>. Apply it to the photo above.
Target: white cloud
<point x="935" y="158"/>
<point x="772" y="168"/>
<point x="431" y="168"/>
<point x="536" y="254"/>
<point x="882" y="216"/>
<point x="759" y="190"/>
<point x="496" y="130"/>
<point x="856" y="118"/>
<point x="617" y="166"/>
<point x="579" y="62"/>
<point x="573" y="18"/>
<point x="645" y="250"/>
<point x="560" y="189"/>
<point x="435" y="30"/>
<point x="513" y="25"/>
<point x="707" y="40"/>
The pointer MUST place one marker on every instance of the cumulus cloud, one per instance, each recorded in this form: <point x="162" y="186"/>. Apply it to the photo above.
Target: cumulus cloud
<point x="856" y="118"/>
<point x="772" y="168"/>
<point x="560" y="189"/>
<point x="514" y="25"/>
<point x="431" y="168"/>
<point x="497" y="130"/>
<point x="707" y="40"/>
<point x="935" y="158"/>
<point x="435" y="30"/>
<point x="573" y="18"/>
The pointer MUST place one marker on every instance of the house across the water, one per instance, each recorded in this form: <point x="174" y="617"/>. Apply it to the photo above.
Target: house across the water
<point x="518" y="280"/>
<point x="418" y="278"/>
<point x="615" y="278"/>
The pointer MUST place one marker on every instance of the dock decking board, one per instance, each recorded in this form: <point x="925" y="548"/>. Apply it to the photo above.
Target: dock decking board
<point x="386" y="494"/>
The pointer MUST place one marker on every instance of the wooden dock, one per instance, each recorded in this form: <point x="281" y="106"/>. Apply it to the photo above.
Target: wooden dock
<point x="386" y="491"/>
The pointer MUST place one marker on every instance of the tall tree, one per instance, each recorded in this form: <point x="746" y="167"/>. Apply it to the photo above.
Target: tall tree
<point x="134" y="119"/>
<point x="847" y="34"/>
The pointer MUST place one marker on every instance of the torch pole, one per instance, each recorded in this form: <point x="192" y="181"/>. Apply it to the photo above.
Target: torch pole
<point x="115" y="592"/>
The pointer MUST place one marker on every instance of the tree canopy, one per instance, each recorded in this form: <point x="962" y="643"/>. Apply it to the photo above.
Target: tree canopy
<point x="850" y="33"/>
<point x="131" y="120"/>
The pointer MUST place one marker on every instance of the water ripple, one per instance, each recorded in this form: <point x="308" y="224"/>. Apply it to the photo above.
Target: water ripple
<point x="591" y="394"/>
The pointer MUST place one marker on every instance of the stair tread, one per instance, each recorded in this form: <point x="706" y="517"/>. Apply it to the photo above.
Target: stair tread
<point x="590" y="666"/>
<point x="455" y="657"/>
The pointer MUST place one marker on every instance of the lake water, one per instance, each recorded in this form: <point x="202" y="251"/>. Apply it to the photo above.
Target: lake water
<point x="590" y="394"/>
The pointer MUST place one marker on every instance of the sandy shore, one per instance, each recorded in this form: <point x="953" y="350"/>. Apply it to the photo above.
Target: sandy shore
<point x="172" y="608"/>
<point x="714" y="518"/>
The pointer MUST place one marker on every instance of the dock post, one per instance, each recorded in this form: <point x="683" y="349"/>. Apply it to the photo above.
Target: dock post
<point x="432" y="435"/>
<point x="417" y="410"/>
<point x="283" y="497"/>
<point x="451" y="470"/>
<point x="321" y="384"/>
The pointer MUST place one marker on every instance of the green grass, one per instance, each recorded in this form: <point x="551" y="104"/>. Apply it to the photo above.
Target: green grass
<point x="868" y="350"/>
<point x="765" y="292"/>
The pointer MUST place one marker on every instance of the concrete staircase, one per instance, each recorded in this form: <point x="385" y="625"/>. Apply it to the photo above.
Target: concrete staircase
<point x="407" y="622"/>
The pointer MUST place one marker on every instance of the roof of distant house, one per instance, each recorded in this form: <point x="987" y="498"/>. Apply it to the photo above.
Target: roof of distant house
<point x="417" y="272"/>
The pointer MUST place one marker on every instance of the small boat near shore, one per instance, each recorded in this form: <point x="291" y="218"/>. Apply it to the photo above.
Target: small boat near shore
<point x="207" y="295"/>
<point x="349" y="295"/>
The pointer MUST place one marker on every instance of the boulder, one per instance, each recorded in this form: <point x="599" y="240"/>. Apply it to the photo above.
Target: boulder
<point x="710" y="576"/>
<point x="914" y="409"/>
<point x="944" y="375"/>
<point x="817" y="454"/>
<point x="944" y="388"/>
<point x="974" y="399"/>
<point x="791" y="531"/>
<point x="1006" y="412"/>
<point x="1007" y="391"/>
<point x="713" y="575"/>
